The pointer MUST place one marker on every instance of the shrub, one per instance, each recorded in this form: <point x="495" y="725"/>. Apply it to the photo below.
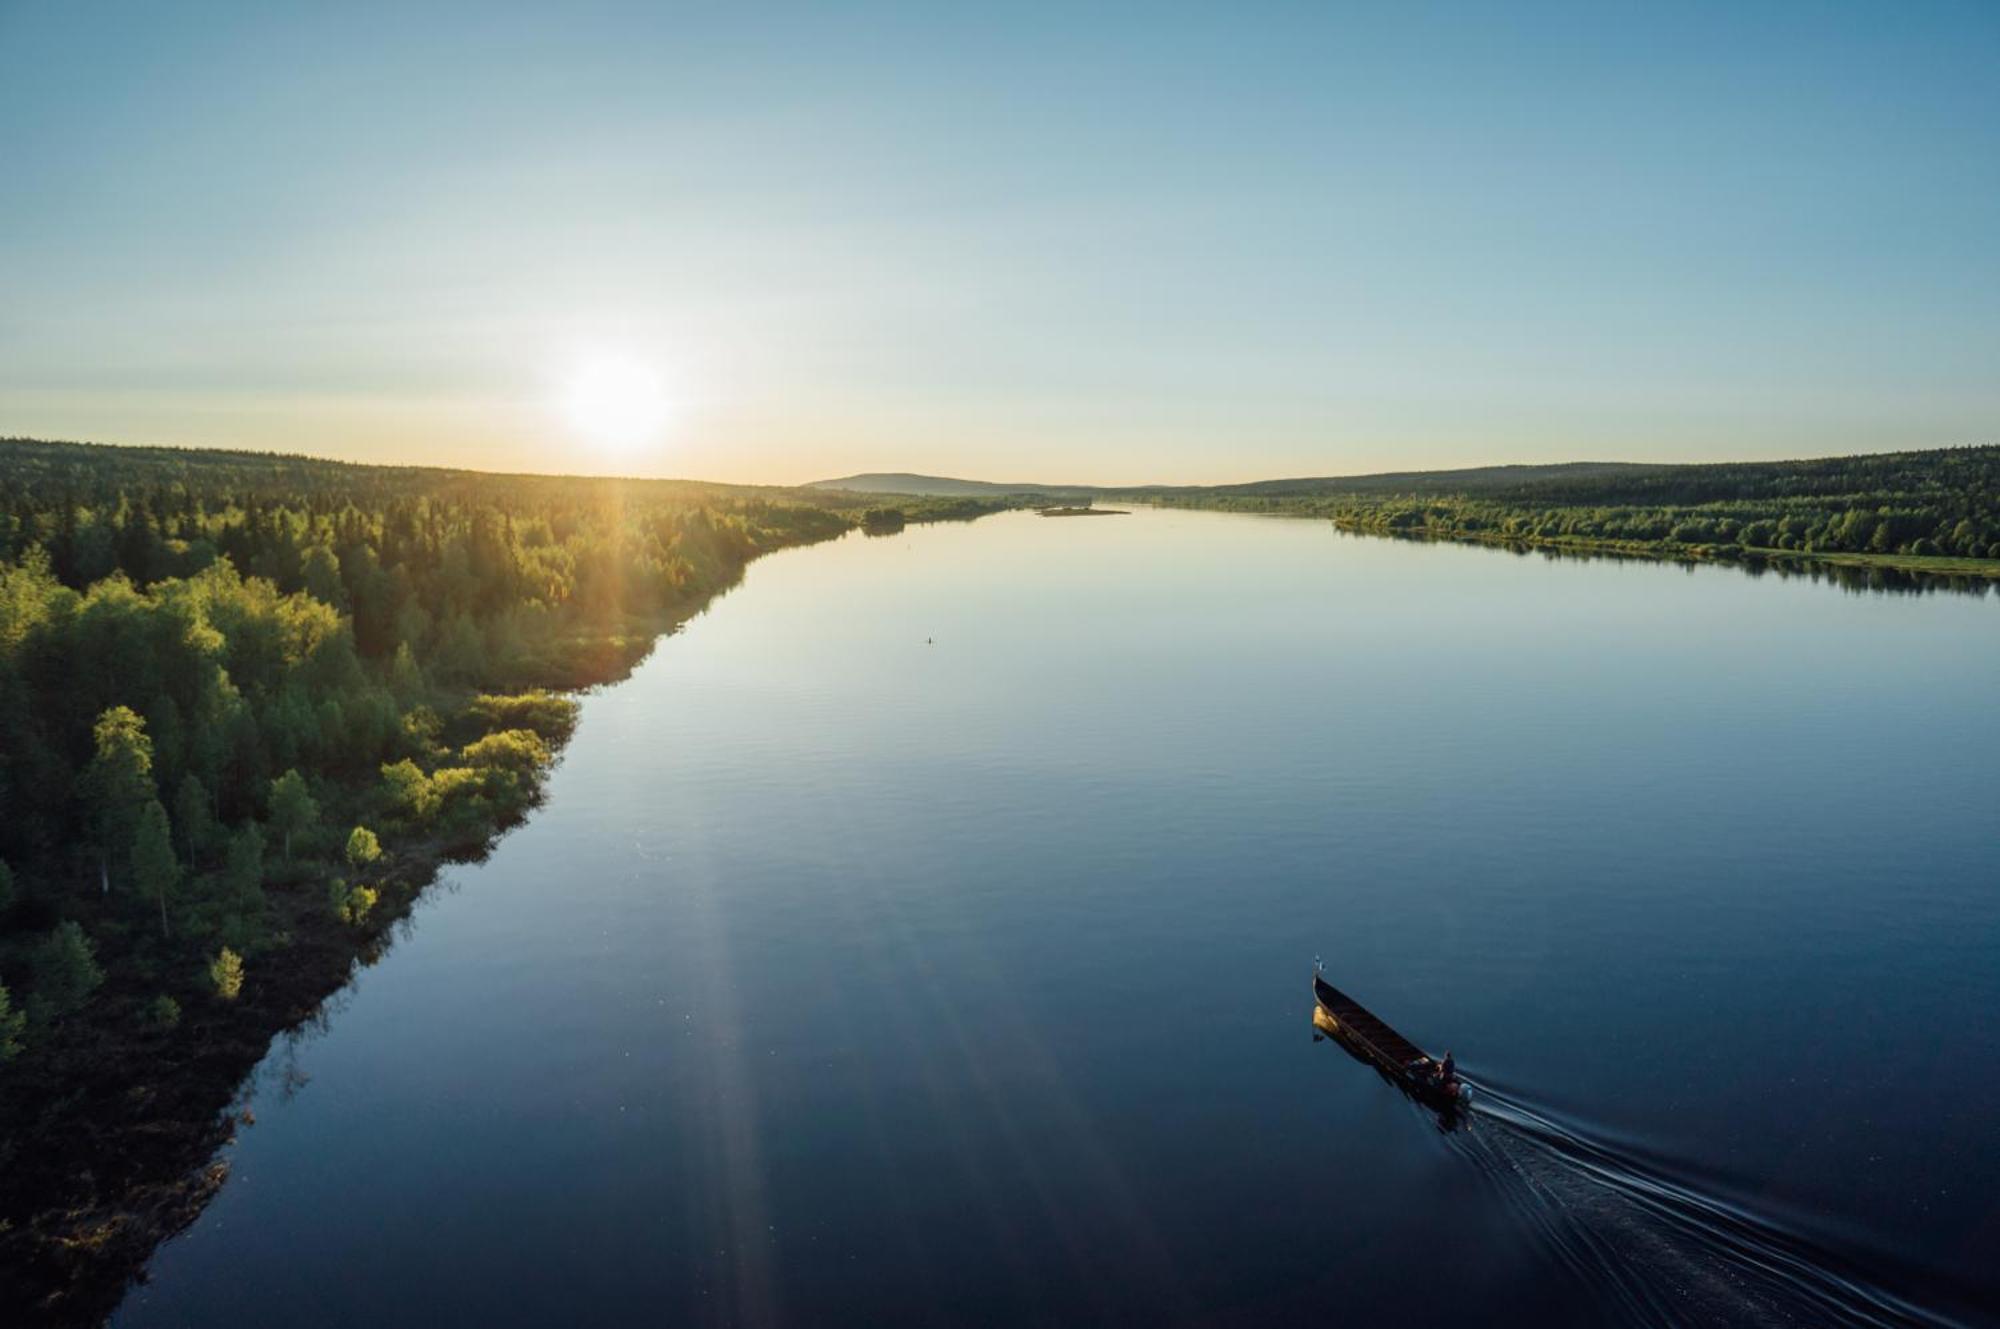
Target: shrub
<point x="551" y="716"/>
<point x="66" y="971"/>
<point x="225" y="974"/>
<point x="518" y="750"/>
<point x="164" y="1012"/>
<point x="350" y="904"/>
<point x="459" y="794"/>
<point x="362" y="848"/>
<point x="410" y="792"/>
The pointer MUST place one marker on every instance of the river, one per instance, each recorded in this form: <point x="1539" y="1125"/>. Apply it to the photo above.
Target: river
<point x="923" y="934"/>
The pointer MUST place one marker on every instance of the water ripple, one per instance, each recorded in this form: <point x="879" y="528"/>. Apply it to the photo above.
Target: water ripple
<point x="1658" y="1251"/>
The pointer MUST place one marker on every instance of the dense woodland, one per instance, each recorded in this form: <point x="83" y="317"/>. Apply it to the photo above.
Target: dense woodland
<point x="1911" y="508"/>
<point x="247" y="703"/>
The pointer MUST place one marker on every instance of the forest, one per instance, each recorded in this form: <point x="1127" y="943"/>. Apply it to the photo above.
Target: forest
<point x="1928" y="511"/>
<point x="248" y="704"/>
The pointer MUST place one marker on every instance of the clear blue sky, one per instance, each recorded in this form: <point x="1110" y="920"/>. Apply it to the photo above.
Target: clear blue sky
<point x="1071" y="242"/>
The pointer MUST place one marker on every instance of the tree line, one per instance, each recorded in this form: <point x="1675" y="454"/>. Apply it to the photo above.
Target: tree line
<point x="244" y="699"/>
<point x="1940" y="504"/>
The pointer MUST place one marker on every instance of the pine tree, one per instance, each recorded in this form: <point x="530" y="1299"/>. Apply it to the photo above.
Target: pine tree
<point x="243" y="870"/>
<point x="155" y="870"/>
<point x="193" y="816"/>
<point x="66" y="971"/>
<point x="292" y="808"/>
<point x="120" y="781"/>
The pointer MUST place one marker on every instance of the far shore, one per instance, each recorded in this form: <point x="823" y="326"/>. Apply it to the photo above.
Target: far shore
<point x="1929" y="564"/>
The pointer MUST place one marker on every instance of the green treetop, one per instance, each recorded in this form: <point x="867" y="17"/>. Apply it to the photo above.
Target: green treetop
<point x="120" y="780"/>
<point x="225" y="974"/>
<point x="66" y="972"/>
<point x="155" y="870"/>
<point x="292" y="808"/>
<point x="362" y="848"/>
<point x="243" y="870"/>
<point x="193" y="818"/>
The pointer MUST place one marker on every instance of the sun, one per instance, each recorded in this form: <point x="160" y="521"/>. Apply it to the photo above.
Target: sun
<point x="616" y="402"/>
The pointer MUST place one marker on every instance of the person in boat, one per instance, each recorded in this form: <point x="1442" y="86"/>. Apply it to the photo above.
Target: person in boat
<point x="1448" y="1071"/>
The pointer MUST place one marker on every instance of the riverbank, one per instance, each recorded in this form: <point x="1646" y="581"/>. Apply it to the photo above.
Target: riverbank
<point x="1931" y="514"/>
<point x="124" y="1117"/>
<point x="1987" y="569"/>
<point x="110" y="1123"/>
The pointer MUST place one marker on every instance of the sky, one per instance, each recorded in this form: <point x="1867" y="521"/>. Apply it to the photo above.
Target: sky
<point x="1075" y="242"/>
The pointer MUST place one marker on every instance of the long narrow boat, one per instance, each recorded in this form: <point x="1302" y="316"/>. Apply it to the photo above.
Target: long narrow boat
<point x="1402" y="1061"/>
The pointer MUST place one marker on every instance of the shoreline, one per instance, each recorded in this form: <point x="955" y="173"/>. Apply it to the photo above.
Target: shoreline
<point x="1928" y="565"/>
<point x="113" y="1139"/>
<point x="1940" y="568"/>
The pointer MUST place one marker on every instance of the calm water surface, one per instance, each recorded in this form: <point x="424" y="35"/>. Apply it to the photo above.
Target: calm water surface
<point x="923" y="936"/>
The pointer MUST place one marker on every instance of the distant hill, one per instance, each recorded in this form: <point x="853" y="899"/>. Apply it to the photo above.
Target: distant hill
<point x="904" y="482"/>
<point x="1472" y="480"/>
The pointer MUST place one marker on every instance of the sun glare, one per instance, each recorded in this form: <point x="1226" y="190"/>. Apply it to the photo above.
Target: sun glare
<point x="616" y="402"/>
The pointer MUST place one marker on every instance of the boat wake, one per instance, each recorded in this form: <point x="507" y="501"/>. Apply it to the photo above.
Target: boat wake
<point x="1657" y="1251"/>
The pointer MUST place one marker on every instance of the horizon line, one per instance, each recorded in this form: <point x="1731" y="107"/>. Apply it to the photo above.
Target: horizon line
<point x="1004" y="485"/>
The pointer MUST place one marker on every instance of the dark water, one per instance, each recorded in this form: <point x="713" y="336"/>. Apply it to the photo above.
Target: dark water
<point x="850" y="979"/>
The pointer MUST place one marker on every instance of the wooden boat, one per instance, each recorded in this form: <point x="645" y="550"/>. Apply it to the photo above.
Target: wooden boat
<point x="1397" y="1058"/>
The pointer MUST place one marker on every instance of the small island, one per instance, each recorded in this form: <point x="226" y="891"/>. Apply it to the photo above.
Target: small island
<point x="1084" y="510"/>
